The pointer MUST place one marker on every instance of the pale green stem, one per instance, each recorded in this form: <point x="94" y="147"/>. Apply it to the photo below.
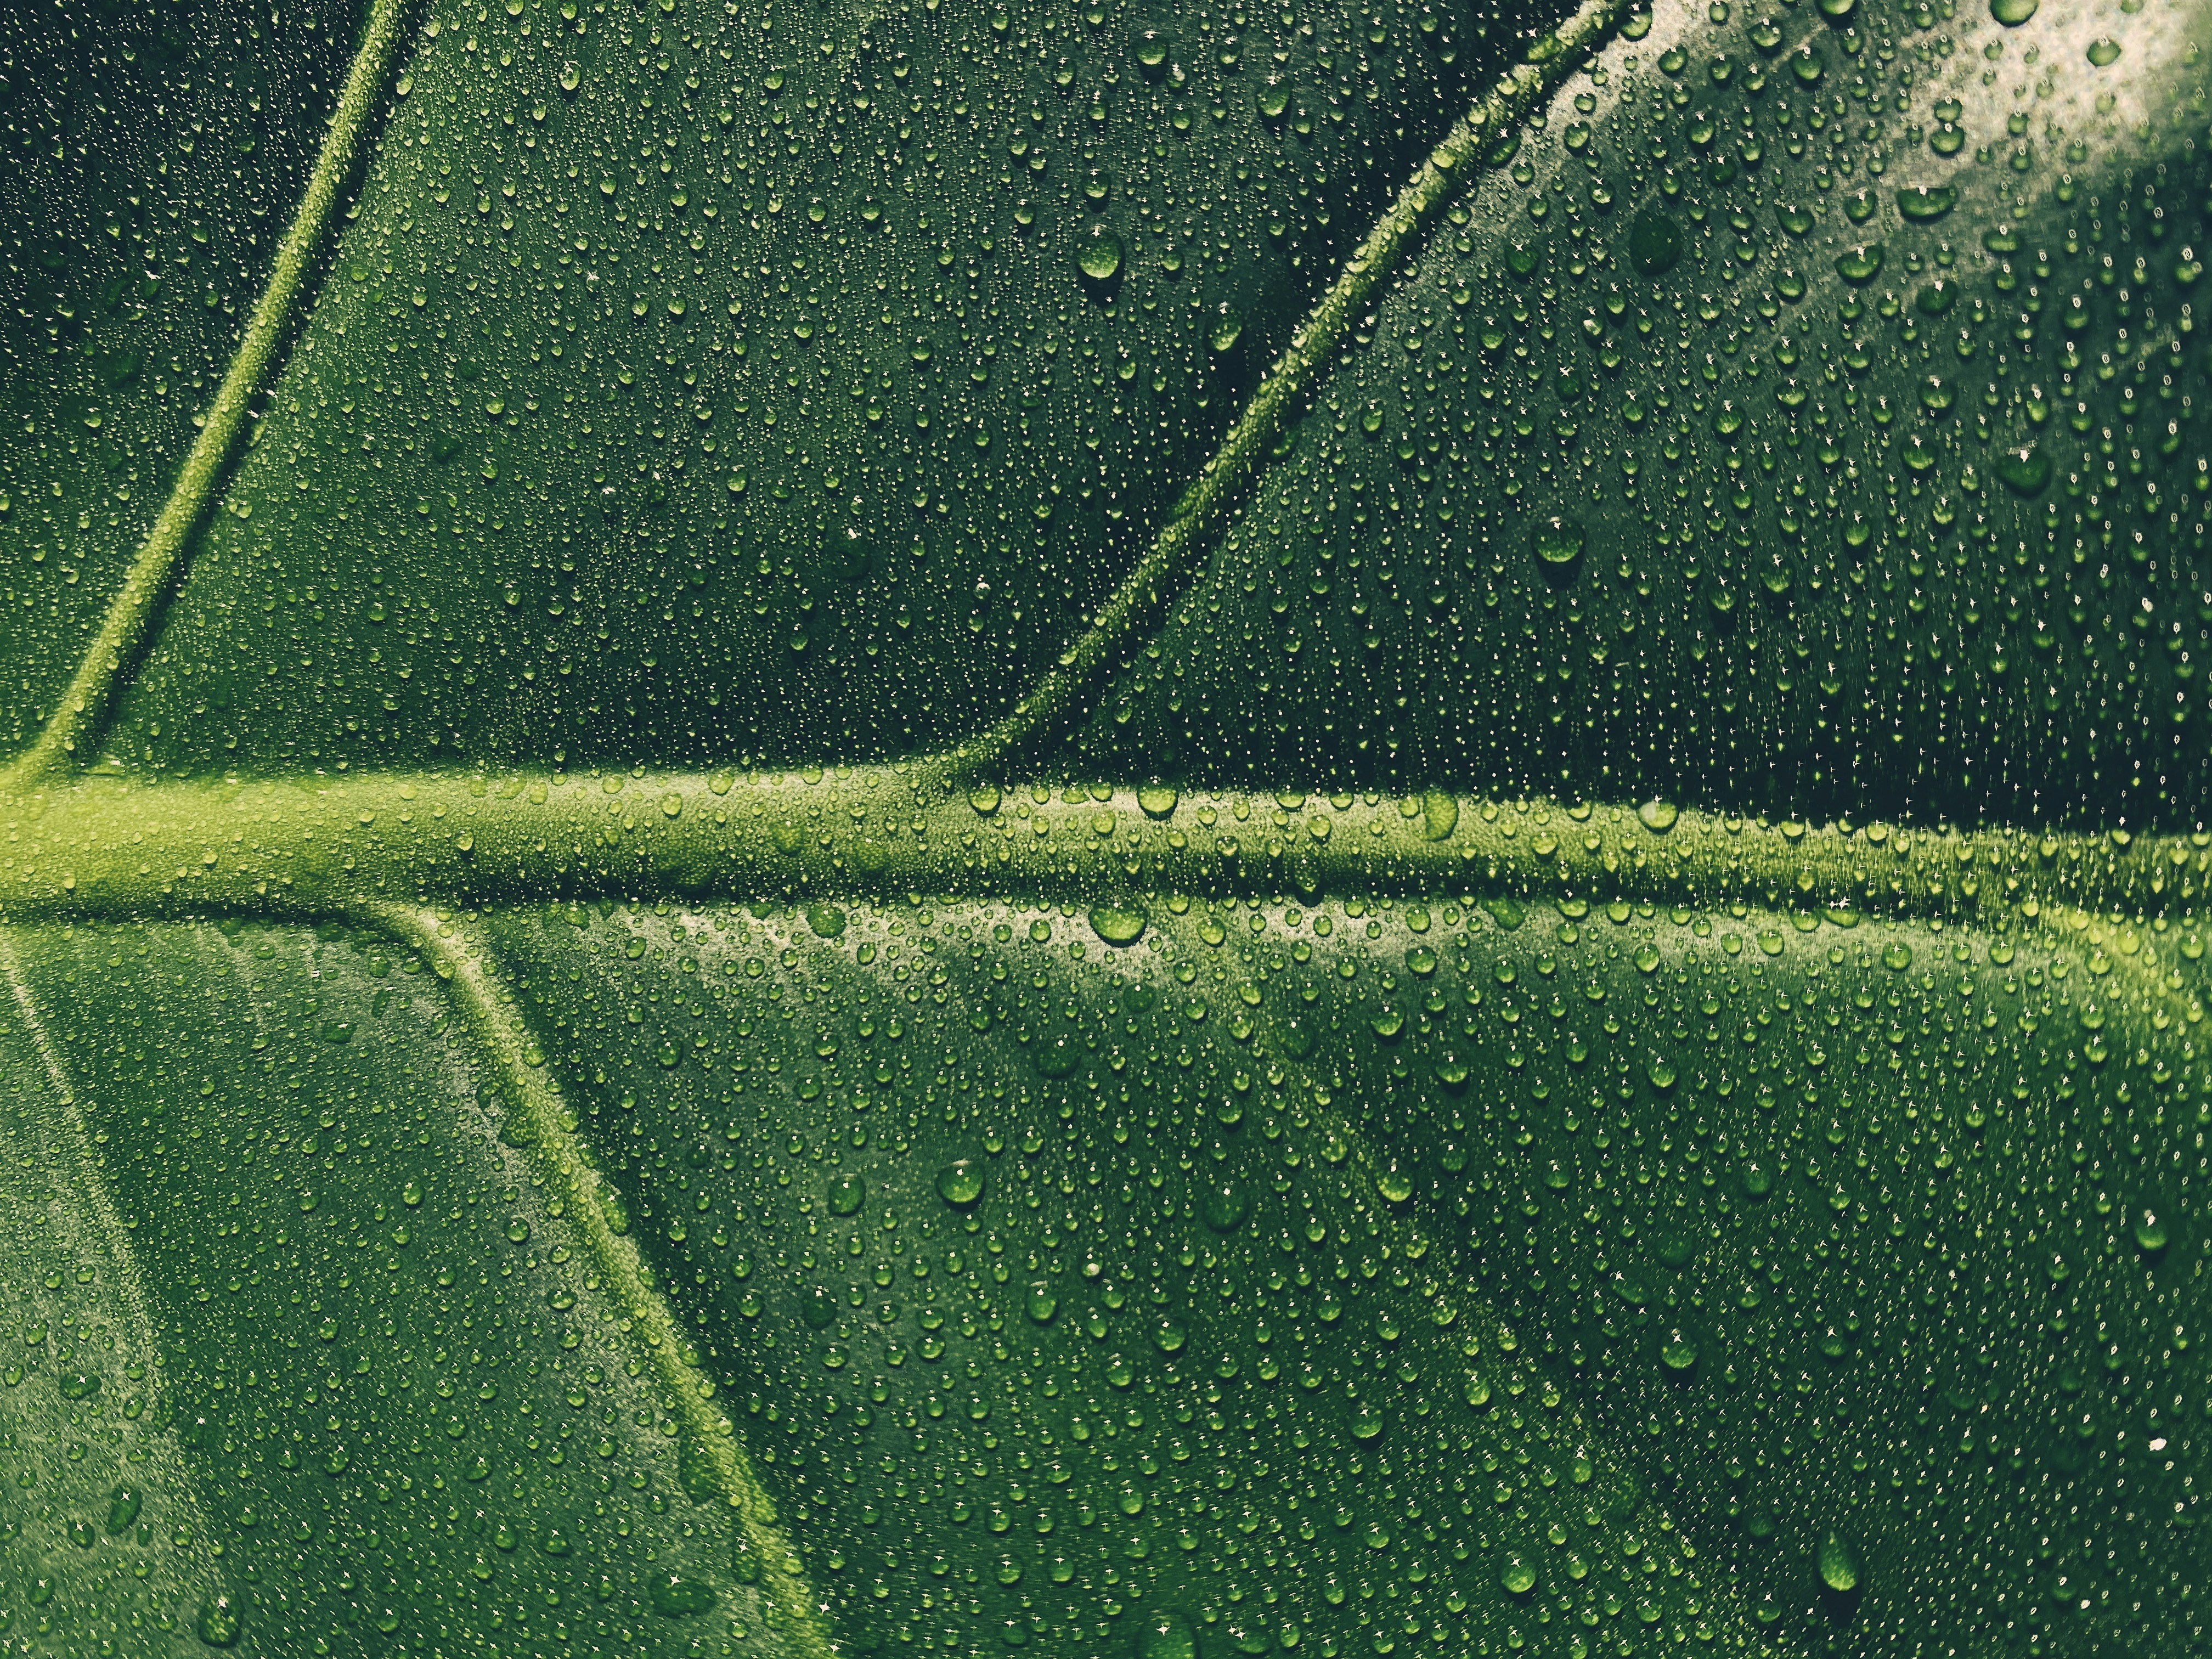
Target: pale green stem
<point x="79" y="719"/>
<point x="537" y="1121"/>
<point x="1442" y="176"/>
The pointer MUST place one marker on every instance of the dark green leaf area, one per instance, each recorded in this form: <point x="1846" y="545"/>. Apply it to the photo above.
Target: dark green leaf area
<point x="1876" y="404"/>
<point x="153" y="153"/>
<point x="1293" y="1271"/>
<point x="331" y="1337"/>
<point x="688" y="388"/>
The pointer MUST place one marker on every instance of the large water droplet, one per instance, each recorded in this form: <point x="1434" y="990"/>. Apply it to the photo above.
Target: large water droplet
<point x="1559" y="542"/>
<point x="2026" y="471"/>
<point x="221" y="1620"/>
<point x="1924" y="202"/>
<point x="1116" y="926"/>
<point x="1655" y="242"/>
<point x="1098" y="254"/>
<point x="1166" y="1635"/>
<point x="961" y="1181"/>
<point x="674" y="1597"/>
<point x="1224" y="1206"/>
<point x="1839" y="1564"/>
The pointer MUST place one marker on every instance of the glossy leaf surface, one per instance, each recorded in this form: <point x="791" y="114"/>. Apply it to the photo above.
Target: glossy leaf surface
<point x="1120" y="834"/>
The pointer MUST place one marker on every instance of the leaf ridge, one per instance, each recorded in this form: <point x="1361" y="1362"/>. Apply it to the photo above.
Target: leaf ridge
<point x="1219" y="483"/>
<point x="80" y="717"/>
<point x="537" y="1120"/>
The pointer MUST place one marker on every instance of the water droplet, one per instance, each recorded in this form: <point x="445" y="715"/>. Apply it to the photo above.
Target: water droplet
<point x="2025" y="471"/>
<point x="1559" y="542"/>
<point x="1157" y="800"/>
<point x="1166" y="1635"/>
<point x="1395" y="1181"/>
<point x="1924" y="202"/>
<point x="1439" y="815"/>
<point x="1117" y="926"/>
<point x="984" y="798"/>
<point x="675" y="1597"/>
<point x="123" y="1506"/>
<point x="2103" y="50"/>
<point x="826" y="921"/>
<point x="1224" y="1206"/>
<point x="1518" y="1574"/>
<point x="1658" y="815"/>
<point x="1655" y="242"/>
<point x="2150" y="1232"/>
<point x="2013" y="13"/>
<point x="1678" y="1352"/>
<point x="1860" y="265"/>
<point x="222" y="1619"/>
<point x="847" y="1194"/>
<point x="1098" y="255"/>
<point x="1840" y="1563"/>
<point x="961" y="1181"/>
<point x="1936" y="297"/>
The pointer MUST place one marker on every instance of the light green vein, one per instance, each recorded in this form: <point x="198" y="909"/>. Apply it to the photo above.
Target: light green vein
<point x="79" y="719"/>
<point x="111" y="1240"/>
<point x="1441" y="177"/>
<point x="536" y="1120"/>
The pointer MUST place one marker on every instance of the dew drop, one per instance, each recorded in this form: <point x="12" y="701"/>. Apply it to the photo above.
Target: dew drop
<point x="2013" y="13"/>
<point x="123" y="1506"/>
<point x="1559" y="542"/>
<point x="1157" y="800"/>
<point x="1224" y="1206"/>
<point x="960" y="1182"/>
<point x="1658" y="815"/>
<point x="1860" y="265"/>
<point x="1117" y="926"/>
<point x="1924" y="203"/>
<point x="1165" y="1635"/>
<point x="675" y="1597"/>
<point x="1655" y="242"/>
<point x="221" y="1620"/>
<point x="1840" y="1563"/>
<point x="2103" y="51"/>
<point x="1099" y="255"/>
<point x="2026" y="471"/>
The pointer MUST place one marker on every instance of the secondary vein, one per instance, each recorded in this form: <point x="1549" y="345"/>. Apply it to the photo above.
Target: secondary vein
<point x="81" y="716"/>
<point x="535" y="1110"/>
<point x="1441" y="176"/>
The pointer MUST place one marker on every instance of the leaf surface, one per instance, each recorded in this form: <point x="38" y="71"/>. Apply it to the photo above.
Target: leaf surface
<point x="1008" y="832"/>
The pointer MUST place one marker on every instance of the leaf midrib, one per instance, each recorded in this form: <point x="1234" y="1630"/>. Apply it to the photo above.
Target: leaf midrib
<point x="314" y="846"/>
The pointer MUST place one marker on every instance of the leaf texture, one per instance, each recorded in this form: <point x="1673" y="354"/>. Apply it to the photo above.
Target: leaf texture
<point x="1151" y="833"/>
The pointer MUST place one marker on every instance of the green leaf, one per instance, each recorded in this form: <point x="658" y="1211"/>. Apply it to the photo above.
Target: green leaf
<point x="1138" y="833"/>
